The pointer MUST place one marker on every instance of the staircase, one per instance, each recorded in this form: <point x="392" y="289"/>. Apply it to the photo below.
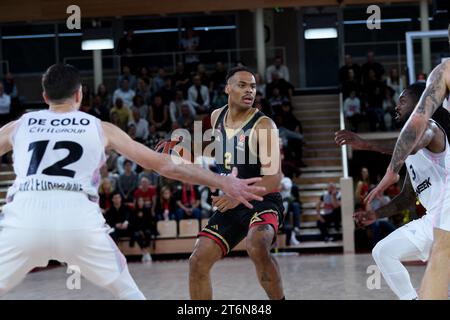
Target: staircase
<point x="319" y="115"/>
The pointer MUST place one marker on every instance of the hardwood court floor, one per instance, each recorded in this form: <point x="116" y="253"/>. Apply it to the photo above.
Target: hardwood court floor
<point x="304" y="277"/>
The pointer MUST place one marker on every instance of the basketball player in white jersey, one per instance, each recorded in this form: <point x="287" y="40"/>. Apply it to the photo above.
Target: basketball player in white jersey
<point x="52" y="211"/>
<point x="413" y="240"/>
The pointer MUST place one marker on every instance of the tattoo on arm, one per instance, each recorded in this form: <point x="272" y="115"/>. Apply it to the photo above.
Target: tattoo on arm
<point x="403" y="148"/>
<point x="386" y="147"/>
<point x="401" y="202"/>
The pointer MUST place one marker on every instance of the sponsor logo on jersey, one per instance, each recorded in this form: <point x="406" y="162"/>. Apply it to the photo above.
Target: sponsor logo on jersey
<point x="423" y="186"/>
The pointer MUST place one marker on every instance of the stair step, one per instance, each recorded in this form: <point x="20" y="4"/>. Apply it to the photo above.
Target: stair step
<point x="6" y="182"/>
<point x="328" y="143"/>
<point x="316" y="98"/>
<point x="315" y="186"/>
<point x="320" y="128"/>
<point x="309" y="113"/>
<point x="322" y="169"/>
<point x="321" y="153"/>
<point x="322" y="161"/>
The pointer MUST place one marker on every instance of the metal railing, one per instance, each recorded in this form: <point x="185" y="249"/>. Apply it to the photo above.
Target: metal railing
<point x="342" y="127"/>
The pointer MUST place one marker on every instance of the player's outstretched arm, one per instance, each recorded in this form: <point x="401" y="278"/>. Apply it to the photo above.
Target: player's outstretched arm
<point x="241" y="190"/>
<point x="5" y="137"/>
<point x="343" y="137"/>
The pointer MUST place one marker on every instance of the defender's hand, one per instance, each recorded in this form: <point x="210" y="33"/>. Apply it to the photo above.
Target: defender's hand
<point x="242" y="190"/>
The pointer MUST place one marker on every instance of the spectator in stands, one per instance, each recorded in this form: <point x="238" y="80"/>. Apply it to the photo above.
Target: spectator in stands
<point x="140" y="105"/>
<point x="189" y="43"/>
<point x="145" y="91"/>
<point x="198" y="96"/>
<point x="165" y="205"/>
<point x="351" y="84"/>
<point x="186" y="120"/>
<point x="123" y="113"/>
<point x="292" y="209"/>
<point x="188" y="202"/>
<point x="374" y="95"/>
<point x="105" y="96"/>
<point x="114" y="119"/>
<point x="152" y="176"/>
<point x="206" y="201"/>
<point x="86" y="102"/>
<point x="105" y="192"/>
<point x="146" y="191"/>
<point x="352" y="110"/>
<point x="330" y="203"/>
<point x="153" y="136"/>
<point x="362" y="186"/>
<point x="127" y="182"/>
<point x="371" y="64"/>
<point x="117" y="217"/>
<point x="262" y="105"/>
<point x="395" y="82"/>
<point x="349" y="65"/>
<point x="260" y="85"/>
<point x="126" y="48"/>
<point x="143" y="228"/>
<point x="158" y="80"/>
<point x="276" y="100"/>
<point x="141" y="125"/>
<point x="220" y="99"/>
<point x="9" y="86"/>
<point x="5" y="105"/>
<point x="218" y="78"/>
<point x="389" y="108"/>
<point x="111" y="176"/>
<point x="159" y="114"/>
<point x="175" y="106"/>
<point x="286" y="89"/>
<point x="120" y="165"/>
<point x="126" y="75"/>
<point x="201" y="72"/>
<point x="167" y="92"/>
<point x="98" y="110"/>
<point x="111" y="160"/>
<point x="277" y="68"/>
<point x="294" y="145"/>
<point x="125" y="93"/>
<point x="181" y="78"/>
<point x="144" y="74"/>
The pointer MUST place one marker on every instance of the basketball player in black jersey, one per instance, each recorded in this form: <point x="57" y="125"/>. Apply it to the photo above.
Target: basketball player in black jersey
<point x="248" y="141"/>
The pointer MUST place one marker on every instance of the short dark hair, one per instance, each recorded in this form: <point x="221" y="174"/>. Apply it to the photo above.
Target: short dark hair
<point x="415" y="90"/>
<point x="238" y="69"/>
<point x="61" y="81"/>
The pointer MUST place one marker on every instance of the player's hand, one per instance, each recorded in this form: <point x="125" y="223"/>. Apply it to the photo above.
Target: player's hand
<point x="242" y="190"/>
<point x="389" y="179"/>
<point x="364" y="218"/>
<point x="224" y="202"/>
<point x="343" y="137"/>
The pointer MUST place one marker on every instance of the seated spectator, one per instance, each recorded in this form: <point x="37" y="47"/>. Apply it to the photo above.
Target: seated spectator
<point x="131" y="131"/>
<point x="120" y="165"/>
<point x="330" y="202"/>
<point x="276" y="100"/>
<point x="201" y="72"/>
<point x="165" y="205"/>
<point x="5" y="105"/>
<point x="220" y="99"/>
<point x="127" y="182"/>
<point x="158" y="80"/>
<point x="189" y="43"/>
<point x="144" y="74"/>
<point x="262" y="105"/>
<point x="374" y="94"/>
<point x="141" y="126"/>
<point x="381" y="227"/>
<point x="123" y="113"/>
<point x="186" y="120"/>
<point x="9" y="86"/>
<point x="159" y="115"/>
<point x="175" y="106"/>
<point x="218" y="78"/>
<point x="181" y="78"/>
<point x="188" y="202"/>
<point x="146" y="191"/>
<point x="395" y="82"/>
<point x="111" y="176"/>
<point x="371" y="64"/>
<point x="167" y="92"/>
<point x="112" y="158"/>
<point x="144" y="91"/>
<point x="117" y="217"/>
<point x="98" y="110"/>
<point x="286" y="89"/>
<point x="143" y="228"/>
<point x="86" y="102"/>
<point x="294" y="145"/>
<point x="198" y="96"/>
<point x="349" y="65"/>
<point x="260" y="85"/>
<point x="351" y="84"/>
<point x="153" y="137"/>
<point x="105" y="97"/>
<point x="126" y="75"/>
<point x="115" y="120"/>
<point x="277" y="68"/>
<point x="152" y="176"/>
<point x="206" y="201"/>
<point x="105" y="192"/>
<point x="125" y="93"/>
<point x="140" y="105"/>
<point x="352" y="110"/>
<point x="389" y="108"/>
<point x="362" y="186"/>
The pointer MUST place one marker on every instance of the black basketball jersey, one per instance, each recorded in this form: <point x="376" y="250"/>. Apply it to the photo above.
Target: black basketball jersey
<point x="233" y="149"/>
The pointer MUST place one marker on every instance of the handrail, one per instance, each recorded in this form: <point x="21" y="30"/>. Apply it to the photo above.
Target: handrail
<point x="342" y="127"/>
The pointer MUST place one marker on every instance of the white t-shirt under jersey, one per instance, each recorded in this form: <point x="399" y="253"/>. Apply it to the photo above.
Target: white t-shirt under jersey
<point x="57" y="151"/>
